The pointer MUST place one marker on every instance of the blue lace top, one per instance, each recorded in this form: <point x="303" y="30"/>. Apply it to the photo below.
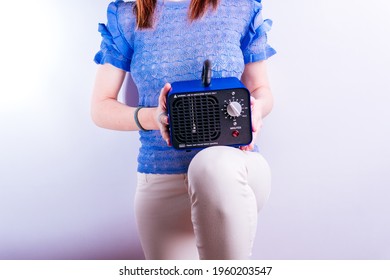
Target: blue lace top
<point x="175" y="50"/>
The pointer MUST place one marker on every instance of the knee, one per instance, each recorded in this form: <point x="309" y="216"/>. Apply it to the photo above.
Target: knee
<point x="215" y="162"/>
<point x="216" y="170"/>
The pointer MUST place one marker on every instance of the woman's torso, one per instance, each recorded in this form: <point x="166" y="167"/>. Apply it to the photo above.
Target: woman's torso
<point x="174" y="51"/>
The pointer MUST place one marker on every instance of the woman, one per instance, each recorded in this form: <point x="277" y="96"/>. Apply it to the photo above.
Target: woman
<point x="198" y="204"/>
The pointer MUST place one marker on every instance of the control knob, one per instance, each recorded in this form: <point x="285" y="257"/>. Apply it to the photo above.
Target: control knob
<point x="234" y="109"/>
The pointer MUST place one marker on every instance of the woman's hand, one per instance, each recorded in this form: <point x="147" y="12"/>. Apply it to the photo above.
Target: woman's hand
<point x="161" y="113"/>
<point x="257" y="123"/>
<point x="255" y="78"/>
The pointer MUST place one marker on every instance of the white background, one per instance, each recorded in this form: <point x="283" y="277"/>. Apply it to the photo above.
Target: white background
<point x="66" y="186"/>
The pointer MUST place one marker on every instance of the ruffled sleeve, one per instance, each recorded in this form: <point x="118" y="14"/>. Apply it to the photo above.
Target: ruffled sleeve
<point x="254" y="43"/>
<point x="114" y="48"/>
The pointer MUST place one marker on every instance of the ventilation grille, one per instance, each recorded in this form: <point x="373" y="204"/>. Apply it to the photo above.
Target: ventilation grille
<point x="195" y="119"/>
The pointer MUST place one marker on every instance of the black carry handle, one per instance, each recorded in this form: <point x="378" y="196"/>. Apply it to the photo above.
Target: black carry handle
<point x="206" y="73"/>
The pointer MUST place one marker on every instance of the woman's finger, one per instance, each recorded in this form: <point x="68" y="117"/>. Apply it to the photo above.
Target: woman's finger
<point x="162" y="100"/>
<point x="162" y="116"/>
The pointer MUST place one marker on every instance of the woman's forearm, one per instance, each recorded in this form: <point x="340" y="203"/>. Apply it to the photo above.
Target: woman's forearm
<point x="108" y="112"/>
<point x="112" y="114"/>
<point x="255" y="78"/>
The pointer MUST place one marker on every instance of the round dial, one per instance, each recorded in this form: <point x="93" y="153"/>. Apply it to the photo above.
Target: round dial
<point x="234" y="109"/>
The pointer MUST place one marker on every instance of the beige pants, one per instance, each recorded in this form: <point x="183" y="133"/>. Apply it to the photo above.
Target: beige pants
<point x="208" y="213"/>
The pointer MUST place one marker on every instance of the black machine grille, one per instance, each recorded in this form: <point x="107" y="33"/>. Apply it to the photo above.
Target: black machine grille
<point x="196" y="119"/>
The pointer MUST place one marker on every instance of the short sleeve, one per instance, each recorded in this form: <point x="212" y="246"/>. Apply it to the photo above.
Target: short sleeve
<point x="254" y="43"/>
<point x="114" y="48"/>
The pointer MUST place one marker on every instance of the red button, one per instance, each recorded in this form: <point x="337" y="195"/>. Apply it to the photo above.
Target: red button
<point x="235" y="133"/>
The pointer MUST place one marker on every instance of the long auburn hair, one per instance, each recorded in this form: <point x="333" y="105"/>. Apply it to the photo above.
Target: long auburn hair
<point x="144" y="10"/>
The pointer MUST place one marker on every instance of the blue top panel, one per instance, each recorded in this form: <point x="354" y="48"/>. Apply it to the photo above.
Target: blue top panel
<point x="197" y="86"/>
